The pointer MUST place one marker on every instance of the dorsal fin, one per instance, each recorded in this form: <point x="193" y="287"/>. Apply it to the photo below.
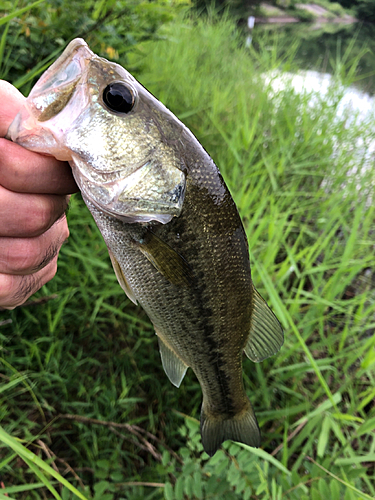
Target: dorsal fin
<point x="266" y="333"/>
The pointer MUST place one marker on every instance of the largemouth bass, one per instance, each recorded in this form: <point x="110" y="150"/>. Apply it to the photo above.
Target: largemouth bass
<point x="172" y="229"/>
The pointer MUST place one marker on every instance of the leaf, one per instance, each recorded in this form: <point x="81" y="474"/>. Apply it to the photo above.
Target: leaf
<point x="21" y="487"/>
<point x="348" y="485"/>
<point x="326" y="405"/>
<point x="188" y="489"/>
<point x="218" y="457"/>
<point x="18" y="12"/>
<point x="347" y="417"/>
<point x="286" y="319"/>
<point x="315" y="495"/>
<point x="197" y="484"/>
<point x="355" y="460"/>
<point x="323" y="488"/>
<point x="323" y="437"/>
<point x="338" y="432"/>
<point x="5" y="497"/>
<point x="12" y="383"/>
<point x="266" y="456"/>
<point x="334" y="487"/>
<point x="179" y="488"/>
<point x="100" y="488"/>
<point x="168" y="491"/>
<point x="368" y="426"/>
<point x="247" y="493"/>
<point x="42" y="477"/>
<point x="34" y="461"/>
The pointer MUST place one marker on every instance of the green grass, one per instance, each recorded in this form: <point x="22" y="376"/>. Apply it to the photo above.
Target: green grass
<point x="86" y="357"/>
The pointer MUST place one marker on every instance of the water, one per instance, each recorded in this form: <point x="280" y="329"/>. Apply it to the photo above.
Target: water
<point x="320" y="55"/>
<point x="357" y="106"/>
<point x="323" y="47"/>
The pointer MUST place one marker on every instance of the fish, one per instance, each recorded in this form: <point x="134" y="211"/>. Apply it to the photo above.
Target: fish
<point x="173" y="232"/>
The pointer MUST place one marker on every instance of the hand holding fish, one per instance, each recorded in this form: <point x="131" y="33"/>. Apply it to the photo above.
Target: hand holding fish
<point x="33" y="200"/>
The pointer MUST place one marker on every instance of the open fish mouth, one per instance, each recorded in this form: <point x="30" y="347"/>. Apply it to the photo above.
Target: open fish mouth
<point x="51" y="94"/>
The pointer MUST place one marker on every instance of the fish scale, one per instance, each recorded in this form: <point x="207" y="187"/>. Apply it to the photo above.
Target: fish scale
<point x="173" y="232"/>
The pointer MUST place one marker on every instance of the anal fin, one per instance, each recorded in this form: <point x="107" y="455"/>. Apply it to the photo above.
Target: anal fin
<point x="173" y="366"/>
<point x="266" y="333"/>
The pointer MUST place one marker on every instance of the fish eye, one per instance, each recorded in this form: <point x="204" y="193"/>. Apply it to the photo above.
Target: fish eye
<point x="118" y="97"/>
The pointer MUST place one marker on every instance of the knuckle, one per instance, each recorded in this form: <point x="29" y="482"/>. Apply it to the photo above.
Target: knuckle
<point x="50" y="253"/>
<point x="48" y="272"/>
<point x="52" y="269"/>
<point x="12" y="294"/>
<point x="64" y="229"/>
<point x="66" y="232"/>
<point x="45" y="216"/>
<point x="40" y="217"/>
<point x="6" y="288"/>
<point x="29" y="255"/>
<point x="24" y="255"/>
<point x="15" y="290"/>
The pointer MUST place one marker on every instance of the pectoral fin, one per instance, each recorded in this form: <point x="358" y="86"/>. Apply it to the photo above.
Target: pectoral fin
<point x="166" y="260"/>
<point x="121" y="278"/>
<point x="266" y="334"/>
<point x="173" y="366"/>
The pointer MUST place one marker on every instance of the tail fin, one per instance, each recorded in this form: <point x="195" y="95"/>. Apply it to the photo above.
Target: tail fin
<point x="243" y="428"/>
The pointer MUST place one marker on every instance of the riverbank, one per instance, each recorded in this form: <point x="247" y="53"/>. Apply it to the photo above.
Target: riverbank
<point x="303" y="12"/>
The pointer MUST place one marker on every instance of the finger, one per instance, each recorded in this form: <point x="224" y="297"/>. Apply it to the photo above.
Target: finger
<point x="23" y="256"/>
<point x="28" y="215"/>
<point x="22" y="170"/>
<point x="28" y="172"/>
<point x="11" y="102"/>
<point x="15" y="290"/>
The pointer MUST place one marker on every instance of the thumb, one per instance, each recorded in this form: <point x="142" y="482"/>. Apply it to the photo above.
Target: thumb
<point x="11" y="101"/>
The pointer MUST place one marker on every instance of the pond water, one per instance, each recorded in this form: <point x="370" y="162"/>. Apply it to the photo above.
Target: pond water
<point x="357" y="107"/>
<point x="318" y="57"/>
<point x="323" y="46"/>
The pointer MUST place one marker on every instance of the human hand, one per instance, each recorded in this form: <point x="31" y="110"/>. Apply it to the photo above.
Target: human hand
<point x="33" y="199"/>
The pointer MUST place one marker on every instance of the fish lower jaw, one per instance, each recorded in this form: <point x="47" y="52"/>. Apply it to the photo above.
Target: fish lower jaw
<point x="126" y="215"/>
<point x="110" y="199"/>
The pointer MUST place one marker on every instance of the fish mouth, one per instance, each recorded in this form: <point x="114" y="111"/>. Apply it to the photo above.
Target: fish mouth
<point x="49" y="96"/>
<point x="146" y="195"/>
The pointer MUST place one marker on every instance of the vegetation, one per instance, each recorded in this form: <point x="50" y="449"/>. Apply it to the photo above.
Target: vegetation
<point x="331" y="47"/>
<point x="37" y="35"/>
<point x="363" y="9"/>
<point x="86" y="410"/>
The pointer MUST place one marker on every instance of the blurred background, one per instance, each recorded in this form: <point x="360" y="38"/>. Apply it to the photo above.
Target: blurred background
<point x="281" y="96"/>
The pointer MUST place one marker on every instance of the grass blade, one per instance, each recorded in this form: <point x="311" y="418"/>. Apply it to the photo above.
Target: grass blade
<point x="35" y="463"/>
